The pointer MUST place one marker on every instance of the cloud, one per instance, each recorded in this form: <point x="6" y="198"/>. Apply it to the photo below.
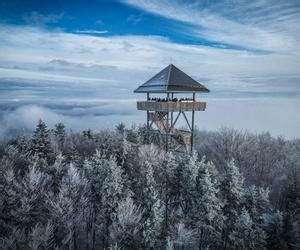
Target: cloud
<point x="260" y="25"/>
<point x="135" y="19"/>
<point x="36" y="18"/>
<point x="275" y="115"/>
<point x="76" y="118"/>
<point x="256" y="115"/>
<point x="93" y="32"/>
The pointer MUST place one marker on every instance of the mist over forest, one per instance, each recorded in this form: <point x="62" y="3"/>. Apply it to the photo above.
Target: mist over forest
<point x="111" y="190"/>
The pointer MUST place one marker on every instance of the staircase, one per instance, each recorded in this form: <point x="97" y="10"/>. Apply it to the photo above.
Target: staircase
<point x="177" y="135"/>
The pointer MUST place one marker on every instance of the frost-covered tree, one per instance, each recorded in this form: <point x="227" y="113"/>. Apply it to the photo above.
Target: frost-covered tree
<point x="96" y="171"/>
<point x="88" y="134"/>
<point x="124" y="150"/>
<point x="206" y="215"/>
<point x="23" y="143"/>
<point x="60" y="134"/>
<point x="166" y="176"/>
<point x="23" y="203"/>
<point x="274" y="228"/>
<point x="32" y="191"/>
<point x="125" y="229"/>
<point x="41" y="236"/>
<point x="246" y="235"/>
<point x="256" y="201"/>
<point x="153" y="209"/>
<point x="40" y="141"/>
<point x="67" y="208"/>
<point x="232" y="195"/>
<point x="186" y="178"/>
<point x="121" y="128"/>
<point x="181" y="237"/>
<point x="9" y="202"/>
<point x="112" y="194"/>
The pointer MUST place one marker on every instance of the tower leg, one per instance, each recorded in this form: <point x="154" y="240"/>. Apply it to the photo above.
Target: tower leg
<point x="148" y="127"/>
<point x="193" y="122"/>
<point x="167" y="128"/>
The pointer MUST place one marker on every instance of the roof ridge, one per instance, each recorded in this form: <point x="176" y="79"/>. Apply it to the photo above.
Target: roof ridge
<point x="169" y="73"/>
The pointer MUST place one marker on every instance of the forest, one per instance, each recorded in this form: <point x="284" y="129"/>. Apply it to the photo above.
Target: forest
<point x="111" y="190"/>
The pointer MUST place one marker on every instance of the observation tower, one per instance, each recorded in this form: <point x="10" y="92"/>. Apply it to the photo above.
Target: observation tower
<point x="171" y="94"/>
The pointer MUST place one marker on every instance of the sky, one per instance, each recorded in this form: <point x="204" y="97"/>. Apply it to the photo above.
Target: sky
<point x="78" y="62"/>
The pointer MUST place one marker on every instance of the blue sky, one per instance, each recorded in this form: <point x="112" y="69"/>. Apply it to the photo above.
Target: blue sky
<point x="76" y="61"/>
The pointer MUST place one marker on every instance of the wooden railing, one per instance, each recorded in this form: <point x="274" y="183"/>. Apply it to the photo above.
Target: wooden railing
<point x="171" y="106"/>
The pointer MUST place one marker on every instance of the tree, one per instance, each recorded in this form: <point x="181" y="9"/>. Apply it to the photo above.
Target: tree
<point x="112" y="194"/>
<point x="256" y="201"/>
<point x="166" y="177"/>
<point x="121" y="128"/>
<point x="67" y="207"/>
<point x="23" y="143"/>
<point x="60" y="134"/>
<point x="95" y="169"/>
<point x="182" y="236"/>
<point x="125" y="230"/>
<point x="23" y="198"/>
<point x="153" y="209"/>
<point x="232" y="194"/>
<point x="206" y="216"/>
<point x="274" y="227"/>
<point x="40" y="141"/>
<point x="245" y="234"/>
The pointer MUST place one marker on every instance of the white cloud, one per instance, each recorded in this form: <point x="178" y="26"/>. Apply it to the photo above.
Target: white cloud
<point x="263" y="25"/>
<point x="95" y="32"/>
<point x="27" y="116"/>
<point x="35" y="18"/>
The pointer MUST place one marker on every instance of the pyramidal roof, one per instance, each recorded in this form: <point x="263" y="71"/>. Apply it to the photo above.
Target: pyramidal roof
<point x="171" y="79"/>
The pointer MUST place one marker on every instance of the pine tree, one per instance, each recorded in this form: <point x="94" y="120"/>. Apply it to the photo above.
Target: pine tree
<point x="112" y="194"/>
<point x="274" y="228"/>
<point x="125" y="149"/>
<point x="232" y="194"/>
<point x="186" y="176"/>
<point x="121" y="128"/>
<point x="256" y="201"/>
<point x="245" y="234"/>
<point x="182" y="237"/>
<point x="23" y="144"/>
<point x="40" y="142"/>
<point x="125" y="229"/>
<point x="167" y="181"/>
<point x="24" y="199"/>
<point x="60" y="134"/>
<point x="68" y="206"/>
<point x="96" y="170"/>
<point x="206" y="216"/>
<point x="153" y="209"/>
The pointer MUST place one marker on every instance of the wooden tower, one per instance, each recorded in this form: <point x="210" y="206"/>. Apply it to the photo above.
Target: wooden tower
<point x="164" y="112"/>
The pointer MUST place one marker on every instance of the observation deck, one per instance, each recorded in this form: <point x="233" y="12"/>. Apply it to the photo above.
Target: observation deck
<point x="171" y="106"/>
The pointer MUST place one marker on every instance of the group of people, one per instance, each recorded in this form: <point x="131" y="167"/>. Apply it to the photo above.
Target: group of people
<point x="170" y="99"/>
